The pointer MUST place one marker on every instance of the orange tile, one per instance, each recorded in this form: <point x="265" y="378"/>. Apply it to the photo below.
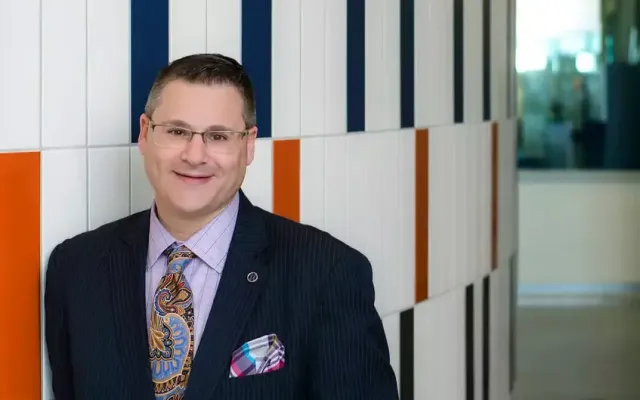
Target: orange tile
<point x="20" y="232"/>
<point x="286" y="178"/>
<point x="422" y="215"/>
<point x="495" y="156"/>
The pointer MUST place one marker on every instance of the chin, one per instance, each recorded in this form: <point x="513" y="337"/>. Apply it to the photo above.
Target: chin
<point x="192" y="208"/>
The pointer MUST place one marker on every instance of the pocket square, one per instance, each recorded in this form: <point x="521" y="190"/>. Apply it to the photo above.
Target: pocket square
<point x="258" y="356"/>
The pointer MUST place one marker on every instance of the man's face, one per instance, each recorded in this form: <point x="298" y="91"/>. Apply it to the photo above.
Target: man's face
<point x="196" y="179"/>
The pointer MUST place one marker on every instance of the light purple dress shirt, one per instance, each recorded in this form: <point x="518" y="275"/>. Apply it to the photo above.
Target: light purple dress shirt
<point x="210" y="245"/>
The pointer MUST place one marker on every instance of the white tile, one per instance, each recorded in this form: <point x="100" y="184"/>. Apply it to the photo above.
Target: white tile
<point x="109" y="177"/>
<point x="406" y="214"/>
<point x="285" y="68"/>
<point x="382" y="229"/>
<point x="63" y="215"/>
<point x="391" y="62"/>
<point x="382" y="65"/>
<point x="312" y="67"/>
<point x="499" y="73"/>
<point x="434" y="63"/>
<point x="459" y="205"/>
<point x="64" y="196"/>
<point x="473" y="72"/>
<point x="427" y="359"/>
<point x="224" y="28"/>
<point x="64" y="74"/>
<point x="507" y="190"/>
<point x="374" y="192"/>
<point x="258" y="182"/>
<point x="468" y="205"/>
<point x="514" y="215"/>
<point x="364" y="228"/>
<point x="442" y="211"/>
<point x="20" y="78"/>
<point x="439" y="347"/>
<point x="394" y="267"/>
<point x="457" y="168"/>
<point x="499" y="334"/>
<point x="374" y="103"/>
<point x="335" y="186"/>
<point x="312" y="181"/>
<point x="141" y="190"/>
<point x="386" y="182"/>
<point x="187" y="28"/>
<point x="108" y="55"/>
<point x="335" y="50"/>
<point x="483" y="193"/>
<point x="391" y="324"/>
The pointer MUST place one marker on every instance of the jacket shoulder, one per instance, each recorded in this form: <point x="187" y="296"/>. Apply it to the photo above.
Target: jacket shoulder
<point x="95" y="241"/>
<point x="289" y="235"/>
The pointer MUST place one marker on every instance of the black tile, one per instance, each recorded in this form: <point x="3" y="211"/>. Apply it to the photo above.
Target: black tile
<point x="406" y="355"/>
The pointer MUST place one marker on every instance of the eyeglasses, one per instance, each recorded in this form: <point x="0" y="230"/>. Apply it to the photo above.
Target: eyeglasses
<point x="177" y="137"/>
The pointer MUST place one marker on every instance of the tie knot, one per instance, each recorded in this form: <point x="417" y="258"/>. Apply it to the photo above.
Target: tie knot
<point x="179" y="256"/>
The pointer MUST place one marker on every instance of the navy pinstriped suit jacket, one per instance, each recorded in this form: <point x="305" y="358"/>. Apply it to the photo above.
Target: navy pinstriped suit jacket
<point x="313" y="291"/>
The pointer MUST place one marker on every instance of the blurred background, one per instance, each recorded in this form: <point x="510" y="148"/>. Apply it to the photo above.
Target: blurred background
<point x="579" y="199"/>
<point x="577" y="65"/>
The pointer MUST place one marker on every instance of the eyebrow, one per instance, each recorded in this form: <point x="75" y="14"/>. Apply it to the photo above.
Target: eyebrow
<point x="183" y="124"/>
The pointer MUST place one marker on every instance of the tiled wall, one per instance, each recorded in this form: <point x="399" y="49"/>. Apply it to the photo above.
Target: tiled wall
<point x="389" y="123"/>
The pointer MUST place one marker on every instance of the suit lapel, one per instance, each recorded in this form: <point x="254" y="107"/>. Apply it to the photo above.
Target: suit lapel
<point x="127" y="262"/>
<point x="235" y="298"/>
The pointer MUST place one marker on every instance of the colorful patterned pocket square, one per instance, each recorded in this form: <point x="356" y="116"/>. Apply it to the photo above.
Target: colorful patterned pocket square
<point x="258" y="356"/>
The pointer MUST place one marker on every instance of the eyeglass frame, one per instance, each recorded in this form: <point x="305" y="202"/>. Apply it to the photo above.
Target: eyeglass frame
<point x="193" y="132"/>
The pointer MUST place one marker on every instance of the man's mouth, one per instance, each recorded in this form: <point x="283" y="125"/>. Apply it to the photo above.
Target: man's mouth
<point x="193" y="178"/>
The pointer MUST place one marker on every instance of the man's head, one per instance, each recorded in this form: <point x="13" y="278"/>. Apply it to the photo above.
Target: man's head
<point x="195" y="175"/>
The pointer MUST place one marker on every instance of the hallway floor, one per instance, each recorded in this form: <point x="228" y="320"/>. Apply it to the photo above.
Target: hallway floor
<point x="578" y="353"/>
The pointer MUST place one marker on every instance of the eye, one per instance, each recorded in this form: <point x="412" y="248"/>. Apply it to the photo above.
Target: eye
<point x="217" y="136"/>
<point x="177" y="131"/>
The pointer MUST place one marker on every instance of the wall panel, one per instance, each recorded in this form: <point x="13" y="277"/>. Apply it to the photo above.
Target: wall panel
<point x="20" y="232"/>
<point x="20" y="77"/>
<point x="108" y="55"/>
<point x="64" y="74"/>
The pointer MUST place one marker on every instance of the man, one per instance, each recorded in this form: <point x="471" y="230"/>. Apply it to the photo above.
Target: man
<point x="205" y="296"/>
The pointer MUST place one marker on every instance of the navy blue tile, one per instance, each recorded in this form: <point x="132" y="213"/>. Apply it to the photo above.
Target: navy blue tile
<point x="355" y="65"/>
<point x="149" y="52"/>
<point x="407" y="95"/>
<point x="458" y="61"/>
<point x="256" y="57"/>
<point x="486" y="59"/>
<point x="510" y="66"/>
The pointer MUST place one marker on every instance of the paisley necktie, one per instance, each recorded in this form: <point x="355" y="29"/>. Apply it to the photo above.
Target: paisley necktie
<point x="171" y="331"/>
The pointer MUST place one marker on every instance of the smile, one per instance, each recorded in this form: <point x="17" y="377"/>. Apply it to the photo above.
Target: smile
<point x="193" y="179"/>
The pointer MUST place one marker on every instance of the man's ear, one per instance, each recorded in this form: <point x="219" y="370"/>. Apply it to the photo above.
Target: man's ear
<point x="143" y="136"/>
<point x="251" y="144"/>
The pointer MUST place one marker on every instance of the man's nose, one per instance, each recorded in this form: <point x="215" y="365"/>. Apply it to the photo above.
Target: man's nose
<point x="195" y="151"/>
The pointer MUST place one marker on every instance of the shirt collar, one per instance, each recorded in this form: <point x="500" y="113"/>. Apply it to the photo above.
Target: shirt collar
<point x="210" y="244"/>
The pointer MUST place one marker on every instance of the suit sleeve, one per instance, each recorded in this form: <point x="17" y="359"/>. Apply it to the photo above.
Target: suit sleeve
<point x="56" y="333"/>
<point x="351" y="355"/>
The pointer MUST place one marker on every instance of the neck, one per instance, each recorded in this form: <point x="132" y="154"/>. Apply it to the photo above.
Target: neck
<point x="182" y="225"/>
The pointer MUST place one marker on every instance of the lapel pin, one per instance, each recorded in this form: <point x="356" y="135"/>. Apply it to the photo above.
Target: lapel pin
<point x="252" y="277"/>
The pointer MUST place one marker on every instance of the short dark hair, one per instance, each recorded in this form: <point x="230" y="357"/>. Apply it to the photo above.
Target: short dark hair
<point x="206" y="69"/>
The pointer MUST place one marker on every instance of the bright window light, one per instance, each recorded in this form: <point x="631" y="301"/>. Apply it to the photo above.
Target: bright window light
<point x="531" y="59"/>
<point x="586" y="63"/>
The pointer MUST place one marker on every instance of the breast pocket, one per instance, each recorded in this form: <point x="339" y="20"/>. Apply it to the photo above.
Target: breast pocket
<point x="276" y="385"/>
